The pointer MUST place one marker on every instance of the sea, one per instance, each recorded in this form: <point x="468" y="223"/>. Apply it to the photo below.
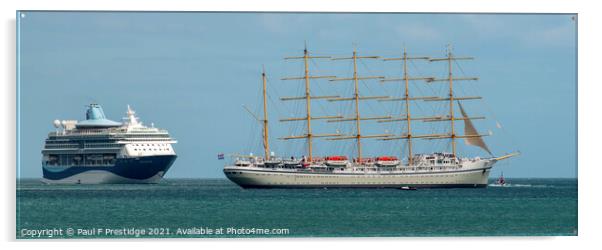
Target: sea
<point x="203" y="208"/>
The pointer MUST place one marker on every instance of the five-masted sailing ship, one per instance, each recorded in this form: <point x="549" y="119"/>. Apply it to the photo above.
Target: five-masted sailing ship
<point x="433" y="170"/>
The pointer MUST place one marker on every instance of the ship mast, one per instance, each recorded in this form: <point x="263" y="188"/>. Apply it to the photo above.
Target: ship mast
<point x="471" y="136"/>
<point x="308" y="98"/>
<point x="451" y="101"/>
<point x="357" y="106"/>
<point x="264" y="121"/>
<point x="266" y="142"/>
<point x="406" y="79"/>
<point x="450" y="59"/>
<point x="407" y="101"/>
<point x="356" y="98"/>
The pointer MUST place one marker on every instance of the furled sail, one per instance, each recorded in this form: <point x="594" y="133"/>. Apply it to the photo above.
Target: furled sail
<point x="473" y="136"/>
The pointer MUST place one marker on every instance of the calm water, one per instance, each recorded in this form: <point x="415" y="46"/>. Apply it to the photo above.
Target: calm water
<point x="526" y="207"/>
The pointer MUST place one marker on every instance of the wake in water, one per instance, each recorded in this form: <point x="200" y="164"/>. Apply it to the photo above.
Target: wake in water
<point x="516" y="185"/>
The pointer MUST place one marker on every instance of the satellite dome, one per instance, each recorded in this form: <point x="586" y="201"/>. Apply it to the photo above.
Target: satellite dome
<point x="56" y="123"/>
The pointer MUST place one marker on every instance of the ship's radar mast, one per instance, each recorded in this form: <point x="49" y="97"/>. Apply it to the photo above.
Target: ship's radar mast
<point x="132" y="119"/>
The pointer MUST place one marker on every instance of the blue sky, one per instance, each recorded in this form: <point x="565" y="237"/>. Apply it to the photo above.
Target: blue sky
<point x="191" y="72"/>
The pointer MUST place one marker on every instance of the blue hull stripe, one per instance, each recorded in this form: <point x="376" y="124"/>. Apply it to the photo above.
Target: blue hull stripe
<point x="139" y="168"/>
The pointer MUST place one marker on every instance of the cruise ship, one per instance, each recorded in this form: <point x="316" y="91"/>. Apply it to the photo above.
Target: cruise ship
<point x="435" y="169"/>
<point x="101" y="151"/>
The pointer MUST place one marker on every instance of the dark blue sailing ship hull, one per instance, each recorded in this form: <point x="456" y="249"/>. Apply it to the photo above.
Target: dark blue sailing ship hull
<point x="147" y="169"/>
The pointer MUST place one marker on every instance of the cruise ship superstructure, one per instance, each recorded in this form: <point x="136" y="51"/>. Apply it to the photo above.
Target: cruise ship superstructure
<point x="101" y="151"/>
<point x="415" y="170"/>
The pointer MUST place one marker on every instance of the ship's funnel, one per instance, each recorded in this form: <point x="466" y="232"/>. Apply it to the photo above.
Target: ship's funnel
<point x="95" y="118"/>
<point x="95" y="112"/>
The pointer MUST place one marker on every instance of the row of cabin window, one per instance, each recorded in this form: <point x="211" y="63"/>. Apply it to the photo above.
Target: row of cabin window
<point x="152" y="144"/>
<point x="440" y="162"/>
<point x="152" y="149"/>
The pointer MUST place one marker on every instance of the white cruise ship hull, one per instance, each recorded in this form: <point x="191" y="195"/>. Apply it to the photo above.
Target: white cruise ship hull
<point x="475" y="174"/>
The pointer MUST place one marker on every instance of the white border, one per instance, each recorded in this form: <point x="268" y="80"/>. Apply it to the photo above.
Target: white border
<point x="589" y="119"/>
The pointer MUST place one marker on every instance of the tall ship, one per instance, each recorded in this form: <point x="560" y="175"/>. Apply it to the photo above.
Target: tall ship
<point x="101" y="151"/>
<point x="354" y="169"/>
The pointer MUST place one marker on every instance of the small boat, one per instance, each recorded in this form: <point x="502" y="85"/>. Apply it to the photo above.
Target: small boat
<point x="292" y="163"/>
<point x="242" y="163"/>
<point x="272" y="163"/>
<point x="501" y="181"/>
<point x="407" y="188"/>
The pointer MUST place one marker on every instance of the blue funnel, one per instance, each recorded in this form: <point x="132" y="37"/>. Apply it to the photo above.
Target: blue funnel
<point x="95" y="112"/>
<point x="95" y="118"/>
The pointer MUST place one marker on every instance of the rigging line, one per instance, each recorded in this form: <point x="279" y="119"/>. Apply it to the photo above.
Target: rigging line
<point x="420" y="91"/>
<point x="251" y="143"/>
<point x="370" y="91"/>
<point x="315" y="70"/>
<point x="273" y="104"/>
<point x="347" y="108"/>
<point x="294" y="104"/>
<point x="447" y="145"/>
<point x="372" y="74"/>
<point x="459" y="67"/>
<point x="366" y="67"/>
<point x="272" y="87"/>
<point x="394" y="107"/>
<point x="461" y="88"/>
<point x="490" y="111"/>
<point x="320" y="104"/>
<point x="257" y="110"/>
<point x="495" y="119"/>
<point x="368" y="104"/>
<point x="320" y="89"/>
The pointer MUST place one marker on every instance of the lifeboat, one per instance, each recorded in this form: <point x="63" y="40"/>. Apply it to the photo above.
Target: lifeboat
<point x="292" y="163"/>
<point x="336" y="160"/>
<point x="242" y="163"/>
<point x="387" y="161"/>
<point x="272" y="163"/>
